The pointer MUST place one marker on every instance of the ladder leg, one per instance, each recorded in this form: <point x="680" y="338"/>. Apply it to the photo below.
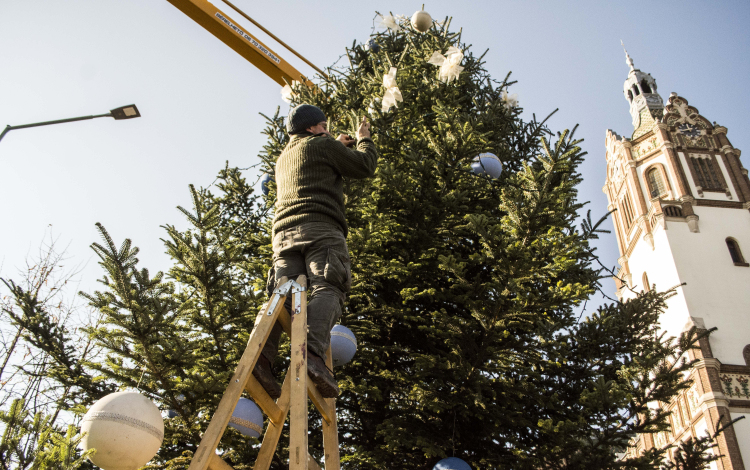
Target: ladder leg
<point x="330" y="431"/>
<point x="273" y="431"/>
<point x="298" y="449"/>
<point x="220" y="419"/>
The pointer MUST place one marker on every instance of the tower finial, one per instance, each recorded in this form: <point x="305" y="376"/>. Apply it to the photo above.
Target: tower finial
<point x="628" y="60"/>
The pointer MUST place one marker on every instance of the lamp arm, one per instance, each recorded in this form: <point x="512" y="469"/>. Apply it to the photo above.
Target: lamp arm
<point x="9" y="128"/>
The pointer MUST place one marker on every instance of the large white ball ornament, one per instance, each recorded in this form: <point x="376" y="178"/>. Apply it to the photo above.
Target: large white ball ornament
<point x="247" y="418"/>
<point x="343" y="345"/>
<point x="487" y="164"/>
<point x="125" y="428"/>
<point x="451" y="463"/>
<point x="421" y="20"/>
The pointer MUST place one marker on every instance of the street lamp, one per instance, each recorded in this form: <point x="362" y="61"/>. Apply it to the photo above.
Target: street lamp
<point x="123" y="112"/>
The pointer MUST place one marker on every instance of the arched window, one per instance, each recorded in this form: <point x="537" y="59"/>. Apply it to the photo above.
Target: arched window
<point x="655" y="182"/>
<point x="735" y="253"/>
<point x="646" y="285"/>
<point x="645" y="87"/>
<point x="635" y="89"/>
<point x="630" y="96"/>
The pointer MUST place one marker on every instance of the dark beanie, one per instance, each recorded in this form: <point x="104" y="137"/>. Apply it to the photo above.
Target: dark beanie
<point x="302" y="117"/>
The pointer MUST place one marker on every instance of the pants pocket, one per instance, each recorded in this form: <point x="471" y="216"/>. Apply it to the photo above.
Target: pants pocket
<point x="338" y="270"/>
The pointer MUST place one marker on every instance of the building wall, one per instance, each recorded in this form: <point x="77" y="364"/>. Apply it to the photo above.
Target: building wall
<point x="716" y="290"/>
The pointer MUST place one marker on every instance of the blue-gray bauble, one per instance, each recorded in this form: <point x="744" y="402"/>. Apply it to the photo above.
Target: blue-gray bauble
<point x="451" y="463"/>
<point x="372" y="46"/>
<point x="487" y="164"/>
<point x="343" y="345"/>
<point x="264" y="182"/>
<point x="247" y="418"/>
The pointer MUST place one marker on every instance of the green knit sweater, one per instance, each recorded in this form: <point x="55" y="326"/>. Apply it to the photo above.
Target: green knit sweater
<point x="309" y="182"/>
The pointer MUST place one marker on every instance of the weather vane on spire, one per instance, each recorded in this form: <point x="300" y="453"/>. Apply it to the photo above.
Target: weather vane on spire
<point x="628" y="60"/>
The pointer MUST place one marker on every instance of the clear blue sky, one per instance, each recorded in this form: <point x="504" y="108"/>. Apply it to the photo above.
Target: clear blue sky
<point x="200" y="100"/>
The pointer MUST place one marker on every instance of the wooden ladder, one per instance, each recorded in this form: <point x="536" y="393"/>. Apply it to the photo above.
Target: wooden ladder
<point x="294" y="392"/>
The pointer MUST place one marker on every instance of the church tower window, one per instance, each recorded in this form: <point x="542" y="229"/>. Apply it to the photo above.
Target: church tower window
<point x="630" y="95"/>
<point x="655" y="182"/>
<point x="645" y="87"/>
<point x="705" y="173"/>
<point x="735" y="253"/>
<point x="627" y="210"/>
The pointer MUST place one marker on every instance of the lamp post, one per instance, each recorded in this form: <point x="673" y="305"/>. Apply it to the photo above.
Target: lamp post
<point x="123" y="112"/>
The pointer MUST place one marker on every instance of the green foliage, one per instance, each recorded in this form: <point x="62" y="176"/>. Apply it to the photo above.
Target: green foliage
<point x="31" y="441"/>
<point x="466" y="299"/>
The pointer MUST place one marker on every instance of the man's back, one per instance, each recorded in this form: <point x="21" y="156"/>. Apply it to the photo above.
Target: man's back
<point x="309" y="173"/>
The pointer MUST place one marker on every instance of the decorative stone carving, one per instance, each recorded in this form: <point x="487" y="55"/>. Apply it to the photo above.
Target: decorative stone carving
<point x="692" y="221"/>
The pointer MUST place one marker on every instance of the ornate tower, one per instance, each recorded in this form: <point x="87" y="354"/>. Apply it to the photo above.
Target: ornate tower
<point x="683" y="219"/>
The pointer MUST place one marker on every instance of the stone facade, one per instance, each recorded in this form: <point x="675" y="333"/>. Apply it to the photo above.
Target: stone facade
<point x="682" y="200"/>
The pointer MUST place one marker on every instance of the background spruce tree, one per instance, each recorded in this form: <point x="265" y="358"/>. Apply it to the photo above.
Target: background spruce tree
<point x="467" y="299"/>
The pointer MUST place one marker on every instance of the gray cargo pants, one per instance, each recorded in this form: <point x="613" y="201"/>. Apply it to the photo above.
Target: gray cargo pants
<point x="317" y="250"/>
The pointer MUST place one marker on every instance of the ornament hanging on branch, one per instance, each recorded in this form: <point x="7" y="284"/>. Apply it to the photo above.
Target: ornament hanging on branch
<point x="392" y="94"/>
<point x="509" y="101"/>
<point x="390" y="22"/>
<point x="452" y="463"/>
<point x="372" y="46"/>
<point x="288" y="93"/>
<point x="449" y="64"/>
<point x="125" y="428"/>
<point x="487" y="164"/>
<point x="421" y="21"/>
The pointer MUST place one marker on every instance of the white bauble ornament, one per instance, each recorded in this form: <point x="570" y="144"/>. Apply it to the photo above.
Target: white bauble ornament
<point x="451" y="463"/>
<point x="343" y="345"/>
<point x="487" y="164"/>
<point x="421" y="21"/>
<point x="125" y="428"/>
<point x="247" y="418"/>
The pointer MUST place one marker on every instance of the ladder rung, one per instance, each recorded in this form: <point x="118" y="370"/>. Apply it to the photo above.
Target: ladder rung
<point x="264" y="401"/>
<point x="320" y="403"/>
<point x="217" y="463"/>
<point x="312" y="464"/>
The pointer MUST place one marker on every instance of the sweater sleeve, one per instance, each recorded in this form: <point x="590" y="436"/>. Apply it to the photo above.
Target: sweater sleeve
<point x="359" y="163"/>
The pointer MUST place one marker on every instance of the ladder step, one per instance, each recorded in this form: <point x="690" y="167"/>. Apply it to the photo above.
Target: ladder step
<point x="325" y="409"/>
<point x="217" y="463"/>
<point x="312" y="464"/>
<point x="264" y="401"/>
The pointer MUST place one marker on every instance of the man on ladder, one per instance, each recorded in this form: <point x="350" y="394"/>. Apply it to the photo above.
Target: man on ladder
<point x="309" y="233"/>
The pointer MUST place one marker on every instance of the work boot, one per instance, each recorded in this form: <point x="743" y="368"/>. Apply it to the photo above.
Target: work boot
<point x="321" y="376"/>
<point x="264" y="375"/>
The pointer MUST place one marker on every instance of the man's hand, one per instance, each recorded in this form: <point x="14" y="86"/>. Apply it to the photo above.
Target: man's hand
<point x="346" y="140"/>
<point x="364" y="129"/>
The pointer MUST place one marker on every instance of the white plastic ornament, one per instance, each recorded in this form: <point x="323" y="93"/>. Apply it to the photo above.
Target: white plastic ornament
<point x="125" y="428"/>
<point x="247" y="418"/>
<point x="451" y="463"/>
<point x="343" y="345"/>
<point x="487" y="164"/>
<point x="421" y="21"/>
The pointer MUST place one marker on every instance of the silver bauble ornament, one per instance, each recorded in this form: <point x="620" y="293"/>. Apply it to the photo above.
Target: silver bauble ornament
<point x="421" y="21"/>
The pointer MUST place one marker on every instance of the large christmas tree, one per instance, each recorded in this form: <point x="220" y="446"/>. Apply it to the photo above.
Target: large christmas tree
<point x="467" y="297"/>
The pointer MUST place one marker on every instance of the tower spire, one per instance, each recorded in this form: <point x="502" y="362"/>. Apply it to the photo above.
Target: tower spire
<point x="646" y="105"/>
<point x="628" y="60"/>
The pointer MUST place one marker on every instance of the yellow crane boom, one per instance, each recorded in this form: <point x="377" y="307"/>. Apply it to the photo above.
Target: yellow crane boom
<point x="245" y="44"/>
